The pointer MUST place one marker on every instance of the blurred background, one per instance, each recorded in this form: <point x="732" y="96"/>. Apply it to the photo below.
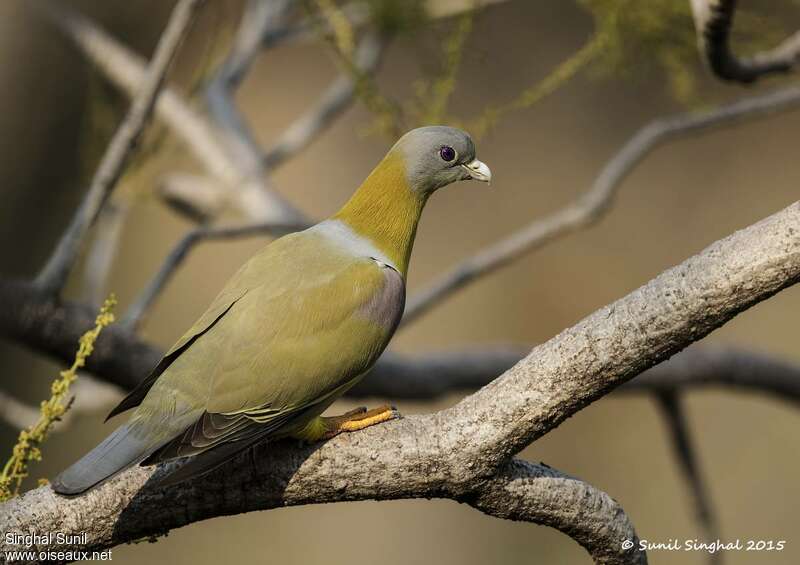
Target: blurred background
<point x="58" y="113"/>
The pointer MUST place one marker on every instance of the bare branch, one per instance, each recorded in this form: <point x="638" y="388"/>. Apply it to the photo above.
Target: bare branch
<point x="358" y="15"/>
<point x="127" y="510"/>
<point x="53" y="327"/>
<point x="457" y="451"/>
<point x="333" y="102"/>
<point x="590" y="207"/>
<point x="175" y="259"/>
<point x="198" y="198"/>
<point x="90" y="394"/>
<point x="539" y="494"/>
<point x="709" y="366"/>
<point x="104" y="248"/>
<point x="126" y="70"/>
<point x="713" y="22"/>
<point x="258" y="18"/>
<point x="54" y="274"/>
<point x="672" y="408"/>
<point x="16" y="413"/>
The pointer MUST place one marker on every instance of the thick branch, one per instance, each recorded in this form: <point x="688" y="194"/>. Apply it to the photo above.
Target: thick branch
<point x="459" y="450"/>
<point x="53" y="327"/>
<point x="54" y="274"/>
<point x="614" y="344"/>
<point x="526" y="492"/>
<point x="714" y="22"/>
<point x="590" y="207"/>
<point x="274" y="477"/>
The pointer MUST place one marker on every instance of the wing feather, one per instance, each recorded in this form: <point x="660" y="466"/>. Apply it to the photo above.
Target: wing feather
<point x="309" y="325"/>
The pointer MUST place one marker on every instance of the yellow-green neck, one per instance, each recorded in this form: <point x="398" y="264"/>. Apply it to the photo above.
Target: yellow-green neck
<point x="386" y="210"/>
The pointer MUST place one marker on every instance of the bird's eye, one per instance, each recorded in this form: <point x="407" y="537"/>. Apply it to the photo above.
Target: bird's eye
<point x="447" y="153"/>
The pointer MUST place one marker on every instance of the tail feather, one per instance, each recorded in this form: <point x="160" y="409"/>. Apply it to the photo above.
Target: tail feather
<point x="205" y="462"/>
<point x="116" y="453"/>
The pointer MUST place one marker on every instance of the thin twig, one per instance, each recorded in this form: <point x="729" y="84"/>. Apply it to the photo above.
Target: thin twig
<point x="55" y="272"/>
<point x="258" y="19"/>
<point x="358" y="14"/>
<point x="714" y="22"/>
<point x="90" y="395"/>
<point x="133" y="317"/>
<point x="591" y="206"/>
<point x="126" y="70"/>
<point x="671" y="404"/>
<point x="198" y="198"/>
<point x="387" y="112"/>
<point x="333" y="102"/>
<point x="103" y="250"/>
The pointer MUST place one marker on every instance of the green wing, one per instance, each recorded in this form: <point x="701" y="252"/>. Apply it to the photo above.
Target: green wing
<point x="232" y="292"/>
<point x="304" y="324"/>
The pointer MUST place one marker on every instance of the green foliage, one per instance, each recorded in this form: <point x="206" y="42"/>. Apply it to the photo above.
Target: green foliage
<point x="397" y="16"/>
<point x="28" y="447"/>
<point x="432" y="96"/>
<point x="645" y="39"/>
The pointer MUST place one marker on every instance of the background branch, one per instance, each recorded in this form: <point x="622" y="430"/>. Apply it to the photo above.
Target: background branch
<point x="671" y="404"/>
<point x="126" y="70"/>
<point x="591" y="206"/>
<point x="51" y="328"/>
<point x="714" y="22"/>
<point x="55" y="272"/>
<point x="333" y="102"/>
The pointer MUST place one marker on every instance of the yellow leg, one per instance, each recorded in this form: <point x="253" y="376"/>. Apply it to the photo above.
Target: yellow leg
<point x="326" y="427"/>
<point x="358" y="419"/>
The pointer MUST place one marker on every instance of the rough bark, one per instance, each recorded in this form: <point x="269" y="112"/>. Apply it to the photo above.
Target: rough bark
<point x="461" y="452"/>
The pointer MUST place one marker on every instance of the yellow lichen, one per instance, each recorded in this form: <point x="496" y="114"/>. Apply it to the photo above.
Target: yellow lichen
<point x="28" y="444"/>
<point x="433" y="98"/>
<point x="388" y="115"/>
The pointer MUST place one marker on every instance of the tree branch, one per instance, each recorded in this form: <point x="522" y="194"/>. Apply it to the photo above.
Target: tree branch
<point x="333" y="102"/>
<point x="104" y="250"/>
<point x="258" y="18"/>
<point x="54" y="274"/>
<point x="16" y="413"/>
<point x="89" y="395"/>
<point x="461" y="449"/>
<point x="52" y="327"/>
<point x="525" y="492"/>
<point x="713" y="22"/>
<point x="591" y="206"/>
<point x="672" y="408"/>
<point x="126" y="70"/>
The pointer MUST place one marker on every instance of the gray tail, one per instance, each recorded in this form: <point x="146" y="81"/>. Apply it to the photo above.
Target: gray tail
<point x="205" y="462"/>
<point x="116" y="453"/>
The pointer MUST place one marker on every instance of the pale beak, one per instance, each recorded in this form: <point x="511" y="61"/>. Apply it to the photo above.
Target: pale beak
<point x="478" y="170"/>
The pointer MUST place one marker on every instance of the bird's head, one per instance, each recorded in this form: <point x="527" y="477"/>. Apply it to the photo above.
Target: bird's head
<point x="435" y="156"/>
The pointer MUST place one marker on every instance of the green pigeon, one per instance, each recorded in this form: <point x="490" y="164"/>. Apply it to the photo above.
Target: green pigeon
<point x="297" y="325"/>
